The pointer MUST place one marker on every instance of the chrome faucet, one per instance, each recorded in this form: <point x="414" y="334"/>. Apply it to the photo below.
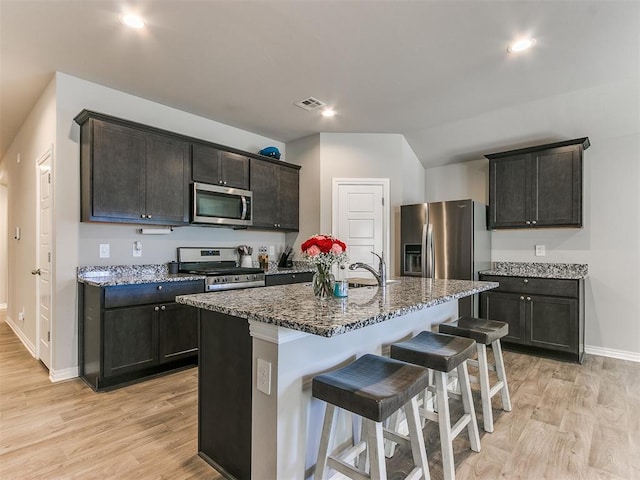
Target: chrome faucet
<point x="381" y="274"/>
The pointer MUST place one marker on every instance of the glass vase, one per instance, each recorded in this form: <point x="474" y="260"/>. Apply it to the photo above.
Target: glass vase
<point x="323" y="281"/>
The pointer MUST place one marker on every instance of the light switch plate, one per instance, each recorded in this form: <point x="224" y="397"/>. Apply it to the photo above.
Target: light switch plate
<point x="104" y="250"/>
<point x="540" y="251"/>
<point x="263" y="380"/>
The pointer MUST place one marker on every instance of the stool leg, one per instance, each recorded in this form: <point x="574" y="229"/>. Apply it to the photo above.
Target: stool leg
<point x="467" y="402"/>
<point x="393" y="423"/>
<point x="502" y="375"/>
<point x="444" y="422"/>
<point x="328" y="426"/>
<point x="485" y="387"/>
<point x="375" y="445"/>
<point x="418" y="449"/>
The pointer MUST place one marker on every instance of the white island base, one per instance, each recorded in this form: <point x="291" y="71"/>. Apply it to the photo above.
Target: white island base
<point x="286" y="422"/>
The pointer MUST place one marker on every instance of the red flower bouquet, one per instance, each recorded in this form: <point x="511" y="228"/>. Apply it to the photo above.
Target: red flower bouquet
<point x="323" y="251"/>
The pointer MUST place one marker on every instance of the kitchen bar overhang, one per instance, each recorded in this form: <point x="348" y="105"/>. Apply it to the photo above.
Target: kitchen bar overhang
<point x="261" y="347"/>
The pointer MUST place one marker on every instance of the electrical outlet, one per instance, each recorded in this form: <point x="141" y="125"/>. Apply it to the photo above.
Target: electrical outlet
<point x="21" y="315"/>
<point x="105" y="250"/>
<point x="272" y="250"/>
<point x="540" y="251"/>
<point x="137" y="248"/>
<point x="263" y="380"/>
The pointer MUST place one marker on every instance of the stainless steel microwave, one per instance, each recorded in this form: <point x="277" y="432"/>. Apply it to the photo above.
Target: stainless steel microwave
<point x="223" y="206"/>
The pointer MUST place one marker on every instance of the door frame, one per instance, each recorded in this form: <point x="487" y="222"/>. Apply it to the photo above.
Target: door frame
<point x="47" y="155"/>
<point x="386" y="208"/>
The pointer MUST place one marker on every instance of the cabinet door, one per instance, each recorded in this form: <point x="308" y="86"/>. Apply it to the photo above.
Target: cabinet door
<point x="557" y="187"/>
<point x="130" y="340"/>
<point x="235" y="170"/>
<point x="509" y="192"/>
<point x="263" y="186"/>
<point x="167" y="180"/>
<point x="177" y="332"/>
<point x="117" y="172"/>
<point x="205" y="164"/>
<point x="505" y="307"/>
<point x="288" y="198"/>
<point x="553" y="323"/>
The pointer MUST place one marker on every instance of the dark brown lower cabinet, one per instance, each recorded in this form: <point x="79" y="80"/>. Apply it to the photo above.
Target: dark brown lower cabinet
<point x="545" y="316"/>
<point x="127" y="333"/>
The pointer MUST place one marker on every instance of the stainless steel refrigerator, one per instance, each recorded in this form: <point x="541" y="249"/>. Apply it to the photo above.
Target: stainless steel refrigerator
<point x="446" y="240"/>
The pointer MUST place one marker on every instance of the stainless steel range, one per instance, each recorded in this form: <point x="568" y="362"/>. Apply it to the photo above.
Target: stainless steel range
<point x="220" y="265"/>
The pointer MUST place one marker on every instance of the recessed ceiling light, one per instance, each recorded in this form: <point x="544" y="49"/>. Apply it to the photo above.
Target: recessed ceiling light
<point x="520" y="45"/>
<point x="328" y="112"/>
<point x="132" y="21"/>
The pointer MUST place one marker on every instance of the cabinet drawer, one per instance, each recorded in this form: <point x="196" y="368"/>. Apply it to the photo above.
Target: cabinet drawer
<point x="287" y="278"/>
<point x="127" y="295"/>
<point x="534" y="286"/>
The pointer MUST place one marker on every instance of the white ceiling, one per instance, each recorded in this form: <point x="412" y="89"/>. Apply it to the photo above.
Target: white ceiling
<point x="385" y="66"/>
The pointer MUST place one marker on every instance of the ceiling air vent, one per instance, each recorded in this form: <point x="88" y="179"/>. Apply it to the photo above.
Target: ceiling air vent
<point x="310" y="104"/>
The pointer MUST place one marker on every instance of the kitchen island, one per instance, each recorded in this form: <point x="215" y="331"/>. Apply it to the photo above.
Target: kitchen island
<point x="260" y="349"/>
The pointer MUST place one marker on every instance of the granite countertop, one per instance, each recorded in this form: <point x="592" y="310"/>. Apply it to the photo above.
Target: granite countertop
<point x="295" y="306"/>
<point x="563" y="271"/>
<point x="108" y="276"/>
<point x="275" y="270"/>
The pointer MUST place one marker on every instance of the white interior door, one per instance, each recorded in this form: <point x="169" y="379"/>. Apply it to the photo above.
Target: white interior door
<point x="360" y="219"/>
<point x="43" y="270"/>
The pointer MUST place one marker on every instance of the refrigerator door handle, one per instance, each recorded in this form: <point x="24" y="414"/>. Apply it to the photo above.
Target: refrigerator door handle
<point x="423" y="251"/>
<point x="428" y="259"/>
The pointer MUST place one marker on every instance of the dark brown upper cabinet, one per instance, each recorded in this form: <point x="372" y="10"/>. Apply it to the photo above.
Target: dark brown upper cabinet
<point x="276" y="193"/>
<point x="537" y="186"/>
<point x="218" y="167"/>
<point x="131" y="173"/>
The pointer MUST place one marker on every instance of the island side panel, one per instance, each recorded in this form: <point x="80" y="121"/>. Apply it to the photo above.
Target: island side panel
<point x="296" y="432"/>
<point x="224" y="393"/>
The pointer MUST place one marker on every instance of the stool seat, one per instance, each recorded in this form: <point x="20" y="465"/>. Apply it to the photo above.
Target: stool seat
<point x="436" y="351"/>
<point x="481" y="330"/>
<point x="373" y="387"/>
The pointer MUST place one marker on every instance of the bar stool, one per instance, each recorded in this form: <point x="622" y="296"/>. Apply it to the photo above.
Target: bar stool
<point x="484" y="332"/>
<point x="443" y="353"/>
<point x="372" y="387"/>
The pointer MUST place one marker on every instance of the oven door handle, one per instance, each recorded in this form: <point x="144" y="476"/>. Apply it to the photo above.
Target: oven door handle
<point x="243" y="216"/>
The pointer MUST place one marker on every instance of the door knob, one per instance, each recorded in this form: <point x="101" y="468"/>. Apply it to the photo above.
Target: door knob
<point x="36" y="272"/>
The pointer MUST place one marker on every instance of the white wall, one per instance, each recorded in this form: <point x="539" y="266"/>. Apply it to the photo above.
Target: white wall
<point x="458" y="182"/>
<point x="76" y="243"/>
<point x="610" y="240"/>
<point x="36" y="136"/>
<point x="4" y="237"/>
<point x="354" y="155"/>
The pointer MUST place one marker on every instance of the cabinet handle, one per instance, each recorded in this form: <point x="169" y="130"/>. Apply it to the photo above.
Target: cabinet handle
<point x="155" y="309"/>
<point x="148" y="216"/>
<point x="143" y="216"/>
<point x="528" y="222"/>
<point x="521" y="298"/>
<point x="163" y="308"/>
<point x="529" y="299"/>
<point x="224" y="183"/>
<point x="159" y="287"/>
<point x="219" y="182"/>
<point x="534" y="222"/>
<point x="526" y="280"/>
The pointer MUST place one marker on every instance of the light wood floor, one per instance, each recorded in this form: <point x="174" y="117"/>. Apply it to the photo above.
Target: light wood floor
<point x="568" y="422"/>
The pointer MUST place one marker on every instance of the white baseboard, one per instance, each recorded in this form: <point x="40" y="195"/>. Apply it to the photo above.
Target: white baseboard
<point x="60" y="375"/>
<point x="609" y="352"/>
<point x="31" y="348"/>
<point x="54" y="376"/>
<point x="3" y="306"/>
